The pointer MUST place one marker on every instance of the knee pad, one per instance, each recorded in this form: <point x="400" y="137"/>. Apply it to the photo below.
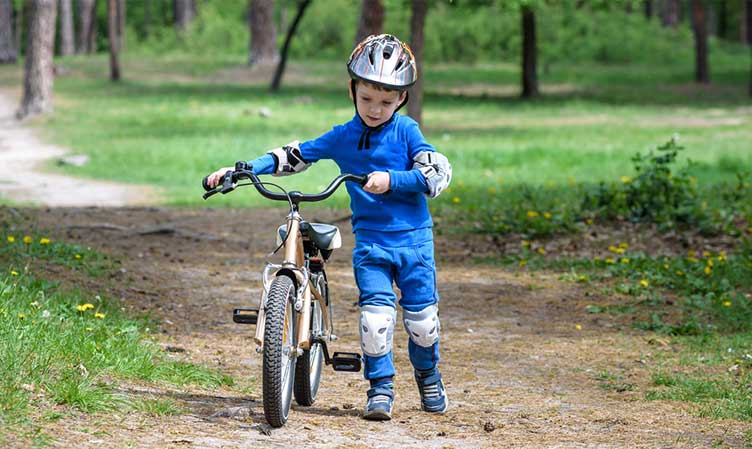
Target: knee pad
<point x="377" y="329"/>
<point x="422" y="326"/>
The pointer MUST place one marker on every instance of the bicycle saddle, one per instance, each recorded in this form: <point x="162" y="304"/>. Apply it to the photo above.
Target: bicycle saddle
<point x="324" y="236"/>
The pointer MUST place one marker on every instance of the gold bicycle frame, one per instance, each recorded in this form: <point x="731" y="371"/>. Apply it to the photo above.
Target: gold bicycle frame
<point x="295" y="261"/>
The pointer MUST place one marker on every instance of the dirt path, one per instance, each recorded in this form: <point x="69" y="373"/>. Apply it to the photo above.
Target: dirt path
<point x="518" y="372"/>
<point x="22" y="180"/>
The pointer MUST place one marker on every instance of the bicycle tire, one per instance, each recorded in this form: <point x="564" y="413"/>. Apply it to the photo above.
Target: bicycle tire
<point x="309" y="365"/>
<point x="279" y="341"/>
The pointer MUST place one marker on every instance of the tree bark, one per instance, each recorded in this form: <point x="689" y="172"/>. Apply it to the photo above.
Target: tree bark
<point x="529" y="54"/>
<point x="648" y="5"/>
<point x="112" y="35"/>
<point x="7" y="39"/>
<point x="371" y="19"/>
<point x="699" y="26"/>
<point x="38" y="73"/>
<point x="67" y="41"/>
<point x="302" y="5"/>
<point x="87" y="30"/>
<point x="263" y="45"/>
<point x="670" y="13"/>
<point x="417" y="27"/>
<point x="185" y="12"/>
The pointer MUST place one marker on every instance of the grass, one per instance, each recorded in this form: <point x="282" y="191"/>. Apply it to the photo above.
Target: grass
<point x="168" y="124"/>
<point x="63" y="347"/>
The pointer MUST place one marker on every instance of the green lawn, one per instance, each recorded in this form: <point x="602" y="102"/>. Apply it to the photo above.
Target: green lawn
<point x="173" y="120"/>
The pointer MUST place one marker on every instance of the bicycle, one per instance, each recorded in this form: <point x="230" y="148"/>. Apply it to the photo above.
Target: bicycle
<point x="294" y="316"/>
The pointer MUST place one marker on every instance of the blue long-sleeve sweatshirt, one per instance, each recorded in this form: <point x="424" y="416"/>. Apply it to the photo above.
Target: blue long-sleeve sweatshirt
<point x="358" y="149"/>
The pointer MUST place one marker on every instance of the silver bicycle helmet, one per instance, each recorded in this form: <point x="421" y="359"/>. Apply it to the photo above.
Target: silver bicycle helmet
<point x="385" y="61"/>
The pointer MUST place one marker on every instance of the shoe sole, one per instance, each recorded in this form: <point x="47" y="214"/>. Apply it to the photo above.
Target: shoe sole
<point x="377" y="415"/>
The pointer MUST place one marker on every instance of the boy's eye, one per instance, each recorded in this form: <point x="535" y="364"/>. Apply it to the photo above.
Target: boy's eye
<point x="365" y="98"/>
<point x="386" y="103"/>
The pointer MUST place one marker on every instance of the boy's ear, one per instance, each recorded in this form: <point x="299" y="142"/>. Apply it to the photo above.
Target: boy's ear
<point x="402" y="96"/>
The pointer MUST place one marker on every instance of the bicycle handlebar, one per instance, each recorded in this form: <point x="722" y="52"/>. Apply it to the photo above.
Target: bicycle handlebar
<point x="245" y="171"/>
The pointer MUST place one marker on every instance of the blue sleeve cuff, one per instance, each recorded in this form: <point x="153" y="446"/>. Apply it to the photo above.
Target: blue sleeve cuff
<point x="263" y="165"/>
<point x="407" y="181"/>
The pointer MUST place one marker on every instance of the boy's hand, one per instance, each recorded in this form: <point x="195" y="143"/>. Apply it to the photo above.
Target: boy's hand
<point x="378" y="182"/>
<point x="216" y="177"/>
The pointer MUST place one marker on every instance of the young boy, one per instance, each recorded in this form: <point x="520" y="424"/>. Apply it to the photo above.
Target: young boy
<point x="391" y="222"/>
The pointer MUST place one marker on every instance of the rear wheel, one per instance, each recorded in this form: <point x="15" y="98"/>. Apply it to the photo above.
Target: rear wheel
<point x="279" y="351"/>
<point x="309" y="365"/>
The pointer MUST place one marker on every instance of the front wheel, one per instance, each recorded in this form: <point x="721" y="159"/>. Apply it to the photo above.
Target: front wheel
<point x="309" y="365"/>
<point x="279" y="351"/>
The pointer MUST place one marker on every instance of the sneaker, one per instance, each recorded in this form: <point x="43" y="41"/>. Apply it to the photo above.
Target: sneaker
<point x="379" y="405"/>
<point x="433" y="397"/>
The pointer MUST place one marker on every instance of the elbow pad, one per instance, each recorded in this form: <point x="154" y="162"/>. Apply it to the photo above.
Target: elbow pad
<point x="436" y="169"/>
<point x="288" y="159"/>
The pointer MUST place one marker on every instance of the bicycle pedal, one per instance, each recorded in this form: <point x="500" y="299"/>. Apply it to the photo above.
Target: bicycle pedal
<point x="245" y="316"/>
<point x="346" y="361"/>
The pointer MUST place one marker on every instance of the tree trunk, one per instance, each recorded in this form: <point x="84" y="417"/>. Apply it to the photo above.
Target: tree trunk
<point x="38" y="76"/>
<point x="371" y="19"/>
<point x="263" y="46"/>
<point x="185" y="12"/>
<point x="7" y="39"/>
<point x="699" y="26"/>
<point x="286" y="46"/>
<point x="745" y="22"/>
<point x="529" y="54"/>
<point x="87" y="30"/>
<point x="648" y="5"/>
<point x="670" y="13"/>
<point x="112" y="35"/>
<point x="121" y="25"/>
<point x="67" y="42"/>
<point x="417" y="26"/>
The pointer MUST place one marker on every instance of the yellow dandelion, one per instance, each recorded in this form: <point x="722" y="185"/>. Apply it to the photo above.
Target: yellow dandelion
<point x="27" y="239"/>
<point x="609" y="260"/>
<point x="14" y="273"/>
<point x="523" y="263"/>
<point x="623" y="245"/>
<point x="578" y="327"/>
<point x="693" y="259"/>
<point x="726" y="303"/>
<point x="665" y="266"/>
<point x="89" y="329"/>
<point x="597" y="258"/>
<point x="706" y="254"/>
<point x="691" y="253"/>
<point x="547" y="215"/>
<point x="679" y="273"/>
<point x="22" y="316"/>
<point x="11" y="239"/>
<point x="626" y="179"/>
<point x="619" y="250"/>
<point x="625" y="260"/>
<point x="525" y="243"/>
<point x="532" y="214"/>
<point x="99" y="315"/>
<point x="456" y="200"/>
<point x="583" y="278"/>
<point x="589" y="221"/>
<point x="77" y="256"/>
<point x="84" y="307"/>
<point x="541" y="250"/>
<point x="644" y="283"/>
<point x="722" y="256"/>
<point x="612" y="248"/>
<point x="710" y="262"/>
<point x="708" y="270"/>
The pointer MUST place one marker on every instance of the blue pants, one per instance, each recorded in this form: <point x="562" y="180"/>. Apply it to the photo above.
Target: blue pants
<point x="413" y="270"/>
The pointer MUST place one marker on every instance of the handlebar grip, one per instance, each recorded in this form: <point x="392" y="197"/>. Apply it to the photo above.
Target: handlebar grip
<point x="205" y="183"/>
<point x="362" y="179"/>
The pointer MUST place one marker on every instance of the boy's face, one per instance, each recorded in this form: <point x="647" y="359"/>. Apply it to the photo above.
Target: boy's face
<point x="376" y="106"/>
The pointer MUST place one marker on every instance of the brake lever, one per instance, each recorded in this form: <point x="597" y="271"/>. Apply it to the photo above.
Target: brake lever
<point x="228" y="185"/>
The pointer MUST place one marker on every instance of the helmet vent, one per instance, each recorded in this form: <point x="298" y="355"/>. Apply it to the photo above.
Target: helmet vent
<point x="370" y="56"/>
